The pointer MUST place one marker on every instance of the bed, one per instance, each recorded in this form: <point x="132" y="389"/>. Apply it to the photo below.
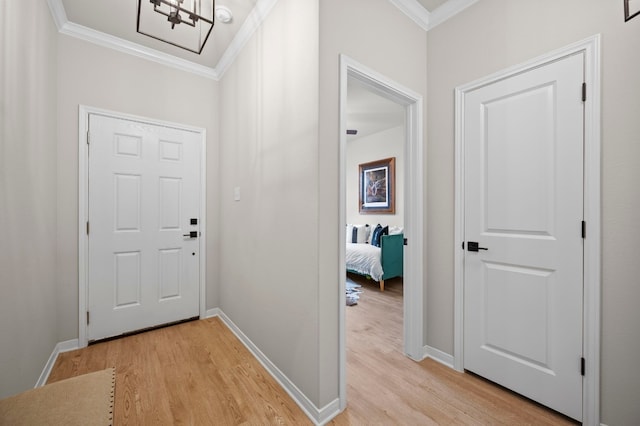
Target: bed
<point x="378" y="263"/>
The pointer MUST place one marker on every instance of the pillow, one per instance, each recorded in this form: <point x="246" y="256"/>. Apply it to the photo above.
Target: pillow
<point x="378" y="233"/>
<point x="375" y="235"/>
<point x="358" y="233"/>
<point x="370" y="240"/>
<point x="395" y="230"/>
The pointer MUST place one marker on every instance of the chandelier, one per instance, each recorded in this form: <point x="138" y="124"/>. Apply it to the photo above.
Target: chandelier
<point x="183" y="23"/>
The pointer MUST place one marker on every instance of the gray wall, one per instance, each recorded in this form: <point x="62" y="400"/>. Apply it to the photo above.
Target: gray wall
<point x="495" y="34"/>
<point x="269" y="144"/>
<point x="28" y="330"/>
<point x="45" y="76"/>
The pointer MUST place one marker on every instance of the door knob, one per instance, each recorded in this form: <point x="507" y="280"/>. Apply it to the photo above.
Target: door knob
<point x="192" y="234"/>
<point x="473" y="246"/>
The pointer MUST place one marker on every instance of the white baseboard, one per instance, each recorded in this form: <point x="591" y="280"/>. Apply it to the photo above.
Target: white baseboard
<point x="318" y="416"/>
<point x="61" y="347"/>
<point x="437" y="355"/>
<point x="212" y="313"/>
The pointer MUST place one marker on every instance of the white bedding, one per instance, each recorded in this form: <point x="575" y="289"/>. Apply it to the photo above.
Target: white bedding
<point x="364" y="259"/>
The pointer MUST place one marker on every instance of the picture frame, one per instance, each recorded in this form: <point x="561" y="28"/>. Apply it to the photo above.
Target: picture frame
<point x="631" y="9"/>
<point x="377" y="181"/>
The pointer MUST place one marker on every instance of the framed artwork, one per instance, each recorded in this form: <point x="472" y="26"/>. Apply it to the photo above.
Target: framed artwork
<point x="377" y="187"/>
<point x="631" y="9"/>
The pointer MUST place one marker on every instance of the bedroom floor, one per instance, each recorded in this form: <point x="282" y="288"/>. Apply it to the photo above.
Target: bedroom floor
<point x="385" y="387"/>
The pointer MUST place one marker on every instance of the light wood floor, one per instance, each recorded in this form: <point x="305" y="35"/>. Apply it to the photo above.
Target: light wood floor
<point x="385" y="387"/>
<point x="198" y="373"/>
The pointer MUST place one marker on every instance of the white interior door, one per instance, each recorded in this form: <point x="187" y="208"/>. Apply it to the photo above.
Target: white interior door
<point x="523" y="289"/>
<point x="144" y="191"/>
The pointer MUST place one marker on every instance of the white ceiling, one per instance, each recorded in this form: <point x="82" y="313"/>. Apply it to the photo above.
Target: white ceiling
<point x="368" y="112"/>
<point x="118" y="18"/>
<point x="115" y="22"/>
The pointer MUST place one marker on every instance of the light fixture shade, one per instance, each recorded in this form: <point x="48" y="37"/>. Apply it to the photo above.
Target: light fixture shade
<point x="183" y="23"/>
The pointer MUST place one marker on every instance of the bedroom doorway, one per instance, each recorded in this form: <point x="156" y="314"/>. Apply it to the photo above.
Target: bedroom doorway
<point x="395" y="114"/>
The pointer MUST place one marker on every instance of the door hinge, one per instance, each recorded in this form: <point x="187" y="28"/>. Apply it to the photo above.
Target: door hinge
<point x="584" y="229"/>
<point x="463" y="245"/>
<point x="88" y="137"/>
<point x="582" y="366"/>
<point x="404" y="241"/>
<point x="87" y="227"/>
<point x="584" y="92"/>
<point x="87" y="317"/>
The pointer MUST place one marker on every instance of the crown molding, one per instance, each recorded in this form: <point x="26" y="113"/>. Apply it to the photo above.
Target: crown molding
<point x="447" y="10"/>
<point x="415" y="11"/>
<point x="248" y="28"/>
<point x="106" y="40"/>
<point x="251" y="24"/>
<point x="58" y="13"/>
<point x="429" y="20"/>
<point x="135" y="49"/>
<point x="412" y="8"/>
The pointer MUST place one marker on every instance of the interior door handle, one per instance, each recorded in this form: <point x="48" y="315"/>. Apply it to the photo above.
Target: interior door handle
<point x="473" y="246"/>
<point x="192" y="234"/>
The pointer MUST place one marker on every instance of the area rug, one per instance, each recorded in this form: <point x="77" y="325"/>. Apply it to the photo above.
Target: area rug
<point x="353" y="292"/>
<point x="82" y="400"/>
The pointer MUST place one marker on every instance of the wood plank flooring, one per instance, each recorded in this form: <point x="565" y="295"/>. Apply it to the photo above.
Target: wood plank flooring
<point x="196" y="373"/>
<point x="385" y="387"/>
<point x="199" y="373"/>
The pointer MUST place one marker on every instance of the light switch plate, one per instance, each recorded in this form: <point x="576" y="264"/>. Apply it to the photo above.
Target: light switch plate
<point x="236" y="193"/>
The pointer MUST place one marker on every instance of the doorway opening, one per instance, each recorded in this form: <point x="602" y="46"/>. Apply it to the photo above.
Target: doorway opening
<point x="409" y="127"/>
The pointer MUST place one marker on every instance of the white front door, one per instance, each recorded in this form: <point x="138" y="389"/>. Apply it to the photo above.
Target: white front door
<point x="144" y="186"/>
<point x="523" y="288"/>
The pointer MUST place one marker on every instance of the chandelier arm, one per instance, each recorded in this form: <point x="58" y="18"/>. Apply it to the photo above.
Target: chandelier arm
<point x="176" y="15"/>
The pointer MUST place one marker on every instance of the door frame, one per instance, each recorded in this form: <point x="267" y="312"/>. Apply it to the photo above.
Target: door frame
<point x="414" y="304"/>
<point x="590" y="47"/>
<point x="83" y="207"/>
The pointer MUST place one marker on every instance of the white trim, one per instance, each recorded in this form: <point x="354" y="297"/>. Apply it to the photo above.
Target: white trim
<point x="342" y="215"/>
<point x="202" y="227"/>
<point x="135" y="49"/>
<point x="83" y="207"/>
<point x="592" y="245"/>
<point x="414" y="306"/>
<point x="414" y="10"/>
<point x="439" y="356"/>
<point x="83" y="217"/>
<point x="66" y="346"/>
<point x="58" y="13"/>
<point x="447" y="10"/>
<point x="251" y="24"/>
<point x="458" y="234"/>
<point x="210" y="313"/>
<point x="255" y="18"/>
<point x="429" y="20"/>
<point x="318" y="416"/>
